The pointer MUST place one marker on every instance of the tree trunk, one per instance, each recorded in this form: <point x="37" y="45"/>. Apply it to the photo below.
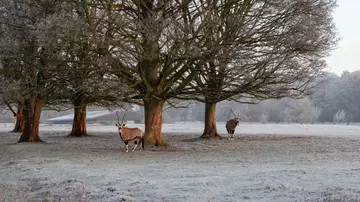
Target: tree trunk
<point x="210" y="130"/>
<point x="31" y="111"/>
<point x="19" y="124"/>
<point x="153" y="123"/>
<point x="79" y="122"/>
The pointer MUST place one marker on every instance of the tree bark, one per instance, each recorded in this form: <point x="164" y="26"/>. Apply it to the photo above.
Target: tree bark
<point x="19" y="124"/>
<point x="153" y="123"/>
<point x="31" y="111"/>
<point x="79" y="122"/>
<point x="210" y="130"/>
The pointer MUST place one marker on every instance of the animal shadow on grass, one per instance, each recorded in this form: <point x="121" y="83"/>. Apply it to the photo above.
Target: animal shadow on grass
<point x="201" y="139"/>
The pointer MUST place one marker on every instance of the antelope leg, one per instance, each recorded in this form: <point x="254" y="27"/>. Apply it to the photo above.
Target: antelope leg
<point x="134" y="148"/>
<point x="135" y="142"/>
<point x="126" y="147"/>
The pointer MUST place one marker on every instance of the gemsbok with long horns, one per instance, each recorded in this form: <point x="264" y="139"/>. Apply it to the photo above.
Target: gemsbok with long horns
<point x="231" y="125"/>
<point x="130" y="134"/>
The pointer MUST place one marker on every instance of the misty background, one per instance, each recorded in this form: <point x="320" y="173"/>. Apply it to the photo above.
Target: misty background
<point x="336" y="99"/>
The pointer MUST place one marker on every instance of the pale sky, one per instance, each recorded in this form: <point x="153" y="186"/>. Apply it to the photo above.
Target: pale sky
<point x="347" y="54"/>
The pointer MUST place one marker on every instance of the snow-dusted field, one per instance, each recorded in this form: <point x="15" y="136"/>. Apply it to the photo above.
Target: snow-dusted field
<point x="266" y="162"/>
<point x="243" y="129"/>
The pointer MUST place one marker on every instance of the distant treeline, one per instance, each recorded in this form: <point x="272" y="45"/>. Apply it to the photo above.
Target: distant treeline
<point x="335" y="99"/>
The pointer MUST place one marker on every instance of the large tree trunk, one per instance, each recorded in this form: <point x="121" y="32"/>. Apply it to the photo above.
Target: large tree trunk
<point x="79" y="122"/>
<point x="19" y="124"/>
<point x="31" y="111"/>
<point x="210" y="130"/>
<point x="153" y="123"/>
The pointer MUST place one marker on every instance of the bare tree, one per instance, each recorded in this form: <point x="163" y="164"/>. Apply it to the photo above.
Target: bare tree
<point x="9" y="91"/>
<point x="155" y="52"/>
<point x="261" y="49"/>
<point x="64" y="54"/>
<point x="339" y="116"/>
<point x="309" y="113"/>
<point x="27" y="62"/>
<point x="9" y="83"/>
<point x="72" y="36"/>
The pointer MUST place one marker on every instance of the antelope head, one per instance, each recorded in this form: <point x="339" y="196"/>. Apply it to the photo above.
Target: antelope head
<point x="236" y="118"/>
<point x="122" y="124"/>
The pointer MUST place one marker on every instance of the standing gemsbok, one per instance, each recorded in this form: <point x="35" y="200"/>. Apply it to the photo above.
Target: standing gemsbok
<point x="231" y="125"/>
<point x="130" y="134"/>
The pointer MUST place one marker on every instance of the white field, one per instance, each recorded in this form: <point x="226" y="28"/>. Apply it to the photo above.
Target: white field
<point x="266" y="162"/>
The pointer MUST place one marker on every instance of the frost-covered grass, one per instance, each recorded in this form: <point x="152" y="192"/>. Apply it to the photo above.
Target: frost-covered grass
<point x="266" y="162"/>
<point x="242" y="129"/>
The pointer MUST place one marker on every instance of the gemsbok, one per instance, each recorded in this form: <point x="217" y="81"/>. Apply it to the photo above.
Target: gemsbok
<point x="231" y="125"/>
<point x="130" y="134"/>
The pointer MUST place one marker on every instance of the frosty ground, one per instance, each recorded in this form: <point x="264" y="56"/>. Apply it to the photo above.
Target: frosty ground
<point x="266" y="162"/>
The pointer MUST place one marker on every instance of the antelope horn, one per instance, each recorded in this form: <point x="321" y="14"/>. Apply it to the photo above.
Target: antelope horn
<point x="122" y="120"/>
<point x="117" y="114"/>
<point x="233" y="112"/>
